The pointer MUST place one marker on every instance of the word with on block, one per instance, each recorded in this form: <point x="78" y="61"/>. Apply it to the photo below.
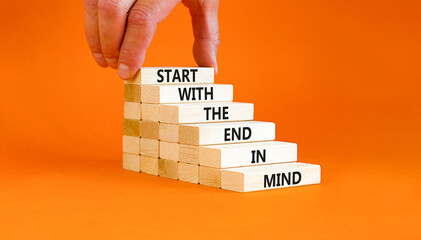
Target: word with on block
<point x="246" y="179"/>
<point x="187" y="93"/>
<point x="227" y="132"/>
<point x="205" y="112"/>
<point x="172" y="75"/>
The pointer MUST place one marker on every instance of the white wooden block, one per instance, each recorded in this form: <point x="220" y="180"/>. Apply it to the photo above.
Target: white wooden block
<point x="205" y="112"/>
<point x="149" y="165"/>
<point x="188" y="172"/>
<point x="150" y="112"/>
<point x="168" y="150"/>
<point x="246" y="154"/>
<point x="263" y="177"/>
<point x="131" y="162"/>
<point x="132" y="110"/>
<point x="172" y="75"/>
<point x="168" y="132"/>
<point x="131" y="144"/>
<point x="149" y="147"/>
<point x="227" y="132"/>
<point x="187" y="93"/>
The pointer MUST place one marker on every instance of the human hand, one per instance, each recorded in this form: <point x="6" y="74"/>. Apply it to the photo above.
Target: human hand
<point x="120" y="31"/>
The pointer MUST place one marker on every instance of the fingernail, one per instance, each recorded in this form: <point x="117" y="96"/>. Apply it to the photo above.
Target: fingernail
<point x="123" y="71"/>
<point x="112" y="62"/>
<point x="99" y="58"/>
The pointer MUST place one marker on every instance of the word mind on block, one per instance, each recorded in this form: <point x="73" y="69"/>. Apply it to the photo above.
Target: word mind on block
<point x="226" y="132"/>
<point x="205" y="112"/>
<point x="186" y="93"/>
<point x="281" y="175"/>
<point x="172" y="75"/>
<point x="247" y="154"/>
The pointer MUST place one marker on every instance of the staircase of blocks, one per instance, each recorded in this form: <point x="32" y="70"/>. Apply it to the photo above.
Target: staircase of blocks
<point x="178" y="124"/>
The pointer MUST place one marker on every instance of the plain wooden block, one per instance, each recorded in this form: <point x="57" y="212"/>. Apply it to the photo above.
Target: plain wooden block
<point x="149" y="147"/>
<point x="149" y="165"/>
<point x="169" y="150"/>
<point x="246" y="154"/>
<point x="205" y="112"/>
<point x="227" y="132"/>
<point x="131" y="127"/>
<point x="187" y="93"/>
<point x="188" y="154"/>
<point x="132" y="110"/>
<point x="188" y="172"/>
<point x="150" y="112"/>
<point x="168" y="168"/>
<point x="131" y="162"/>
<point x="149" y="129"/>
<point x="131" y="144"/>
<point x="168" y="132"/>
<point x="132" y="93"/>
<point x="210" y="176"/>
<point x="172" y="75"/>
<point x="263" y="177"/>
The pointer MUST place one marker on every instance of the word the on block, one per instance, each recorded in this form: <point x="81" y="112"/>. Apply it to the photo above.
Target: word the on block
<point x="227" y="132"/>
<point x="187" y="93"/>
<point x="205" y="112"/>
<point x="172" y="75"/>
<point x="149" y="165"/>
<point x="255" y="178"/>
<point x="132" y="110"/>
<point x="246" y="154"/>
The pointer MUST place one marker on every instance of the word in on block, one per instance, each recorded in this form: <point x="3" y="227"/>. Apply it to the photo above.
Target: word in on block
<point x="172" y="75"/>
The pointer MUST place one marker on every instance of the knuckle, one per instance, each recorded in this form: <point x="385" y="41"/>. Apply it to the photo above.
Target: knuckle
<point x="127" y="55"/>
<point x="109" y="8"/>
<point x="140" y="15"/>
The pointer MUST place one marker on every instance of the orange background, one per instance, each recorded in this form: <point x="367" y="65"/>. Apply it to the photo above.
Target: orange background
<point x="340" y="78"/>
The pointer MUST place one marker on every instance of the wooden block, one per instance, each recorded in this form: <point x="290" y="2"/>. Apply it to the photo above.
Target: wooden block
<point x="246" y="154"/>
<point x="168" y="168"/>
<point x="168" y="132"/>
<point x="150" y="112"/>
<point x="131" y="144"/>
<point x="149" y="165"/>
<point x="131" y="162"/>
<point x="205" y="112"/>
<point x="263" y="177"/>
<point x="188" y="154"/>
<point x="188" y="172"/>
<point x="131" y="127"/>
<point x="149" y="147"/>
<point x="168" y="150"/>
<point x="187" y="93"/>
<point x="132" y="93"/>
<point x="172" y="75"/>
<point x="230" y="132"/>
<point x="132" y="110"/>
<point x="149" y="129"/>
<point x="210" y="176"/>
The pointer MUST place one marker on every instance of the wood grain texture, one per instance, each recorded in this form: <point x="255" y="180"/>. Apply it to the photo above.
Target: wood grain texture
<point x="132" y="110"/>
<point x="188" y="154"/>
<point x="168" y="168"/>
<point x="149" y="129"/>
<point x="169" y="150"/>
<point x="205" y="112"/>
<point x="149" y="147"/>
<point x="131" y="162"/>
<point x="222" y="133"/>
<point x="150" y="112"/>
<point x="264" y="177"/>
<point x="193" y="93"/>
<point x="188" y="172"/>
<point x="246" y="154"/>
<point x="131" y="127"/>
<point x="149" y="165"/>
<point x="168" y="132"/>
<point x="132" y="93"/>
<point x="210" y="176"/>
<point x="168" y="75"/>
<point x="131" y="144"/>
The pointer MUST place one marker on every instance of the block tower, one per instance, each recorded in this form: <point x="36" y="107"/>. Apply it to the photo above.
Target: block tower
<point x="178" y="124"/>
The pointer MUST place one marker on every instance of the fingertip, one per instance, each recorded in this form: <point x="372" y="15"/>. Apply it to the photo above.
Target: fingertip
<point x="124" y="71"/>
<point x="100" y="60"/>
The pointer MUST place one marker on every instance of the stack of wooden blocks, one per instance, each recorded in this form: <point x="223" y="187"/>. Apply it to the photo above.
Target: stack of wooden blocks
<point x="178" y="124"/>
